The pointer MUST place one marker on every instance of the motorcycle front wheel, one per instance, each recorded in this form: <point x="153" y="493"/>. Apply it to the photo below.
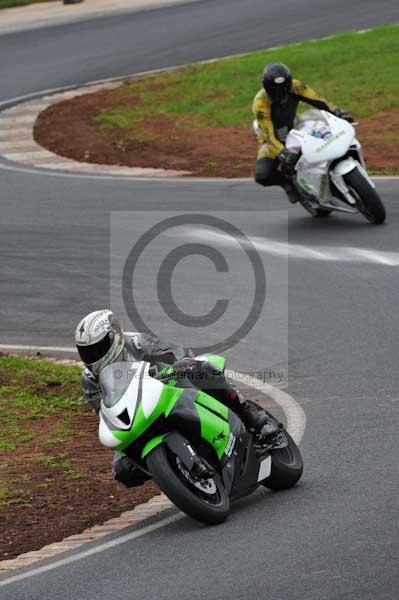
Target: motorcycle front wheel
<point x="206" y="501"/>
<point x="367" y="200"/>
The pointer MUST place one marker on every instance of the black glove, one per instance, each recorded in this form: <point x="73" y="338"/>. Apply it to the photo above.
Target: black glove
<point x="185" y="367"/>
<point x="342" y="114"/>
<point x="288" y="161"/>
<point x="201" y="373"/>
<point x="165" y="372"/>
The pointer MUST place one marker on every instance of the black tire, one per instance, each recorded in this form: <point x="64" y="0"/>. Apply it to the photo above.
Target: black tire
<point x="287" y="467"/>
<point x="368" y="201"/>
<point x="162" y="464"/>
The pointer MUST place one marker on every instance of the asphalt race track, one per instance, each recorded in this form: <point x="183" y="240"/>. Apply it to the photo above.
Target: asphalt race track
<point x="330" y="320"/>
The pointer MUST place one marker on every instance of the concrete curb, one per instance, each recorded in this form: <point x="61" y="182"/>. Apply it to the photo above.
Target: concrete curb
<point x="139" y="514"/>
<point x="17" y="144"/>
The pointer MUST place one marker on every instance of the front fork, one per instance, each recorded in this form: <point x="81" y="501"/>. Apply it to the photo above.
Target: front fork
<point x="182" y="448"/>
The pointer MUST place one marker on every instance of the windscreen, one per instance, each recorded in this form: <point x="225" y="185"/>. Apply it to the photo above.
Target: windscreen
<point x="310" y="115"/>
<point x="115" y="379"/>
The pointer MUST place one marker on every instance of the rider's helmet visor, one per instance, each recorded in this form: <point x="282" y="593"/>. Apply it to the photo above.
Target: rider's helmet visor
<point x="92" y="353"/>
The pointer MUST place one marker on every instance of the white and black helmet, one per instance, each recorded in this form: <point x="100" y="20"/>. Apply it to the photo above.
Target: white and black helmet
<point x="99" y="339"/>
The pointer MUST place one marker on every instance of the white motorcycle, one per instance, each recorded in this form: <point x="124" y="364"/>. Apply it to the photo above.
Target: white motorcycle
<point x="330" y="174"/>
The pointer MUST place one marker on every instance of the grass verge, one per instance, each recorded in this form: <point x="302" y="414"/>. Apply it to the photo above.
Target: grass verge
<point x="55" y="477"/>
<point x="38" y="401"/>
<point x="355" y="70"/>
<point x="16" y="3"/>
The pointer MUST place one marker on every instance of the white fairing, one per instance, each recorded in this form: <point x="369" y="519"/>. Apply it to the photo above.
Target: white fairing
<point x="320" y="138"/>
<point x="105" y="436"/>
<point x="128" y="401"/>
<point x="337" y="137"/>
<point x="141" y="388"/>
<point x="344" y="167"/>
<point x="152" y="390"/>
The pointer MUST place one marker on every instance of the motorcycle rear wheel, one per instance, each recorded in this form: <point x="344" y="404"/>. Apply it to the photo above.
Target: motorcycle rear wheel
<point x="287" y="467"/>
<point x="367" y="200"/>
<point x="179" y="487"/>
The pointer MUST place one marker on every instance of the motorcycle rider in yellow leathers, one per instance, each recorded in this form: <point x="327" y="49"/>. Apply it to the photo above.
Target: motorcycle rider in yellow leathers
<point x="274" y="108"/>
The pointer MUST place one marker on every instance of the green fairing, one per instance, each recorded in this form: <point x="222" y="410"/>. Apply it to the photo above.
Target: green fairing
<point x="216" y="360"/>
<point x="215" y="430"/>
<point x="213" y="405"/>
<point x="152" y="444"/>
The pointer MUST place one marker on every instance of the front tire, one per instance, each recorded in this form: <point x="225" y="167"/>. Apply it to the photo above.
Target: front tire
<point x="178" y="487"/>
<point x="287" y="467"/>
<point x="367" y="200"/>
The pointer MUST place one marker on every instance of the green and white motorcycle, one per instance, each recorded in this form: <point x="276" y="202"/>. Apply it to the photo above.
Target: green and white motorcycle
<point x="195" y="448"/>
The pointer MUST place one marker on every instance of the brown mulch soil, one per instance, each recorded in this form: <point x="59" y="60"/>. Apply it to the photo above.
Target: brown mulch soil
<point x="55" y="506"/>
<point x="68" y="129"/>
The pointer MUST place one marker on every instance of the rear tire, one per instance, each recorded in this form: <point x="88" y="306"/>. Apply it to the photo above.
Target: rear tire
<point x="367" y="199"/>
<point x="287" y="467"/>
<point x="163" y="466"/>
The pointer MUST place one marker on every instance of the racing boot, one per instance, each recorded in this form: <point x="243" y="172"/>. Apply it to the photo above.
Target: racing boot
<point x="291" y="191"/>
<point x="215" y="383"/>
<point x="254" y="419"/>
<point x="258" y="420"/>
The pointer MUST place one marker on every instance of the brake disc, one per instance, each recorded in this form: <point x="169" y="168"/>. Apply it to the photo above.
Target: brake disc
<point x="206" y="486"/>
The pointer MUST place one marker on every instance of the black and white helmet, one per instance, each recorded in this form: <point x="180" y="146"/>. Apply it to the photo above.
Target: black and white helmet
<point x="99" y="339"/>
<point x="277" y="81"/>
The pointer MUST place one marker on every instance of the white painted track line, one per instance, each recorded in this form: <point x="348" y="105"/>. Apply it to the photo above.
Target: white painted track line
<point x="298" y="251"/>
<point x="35" y="349"/>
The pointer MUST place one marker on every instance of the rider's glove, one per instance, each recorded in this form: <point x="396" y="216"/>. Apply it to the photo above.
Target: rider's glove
<point x="185" y="366"/>
<point x="288" y="161"/>
<point x="180" y="369"/>
<point x="342" y="114"/>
